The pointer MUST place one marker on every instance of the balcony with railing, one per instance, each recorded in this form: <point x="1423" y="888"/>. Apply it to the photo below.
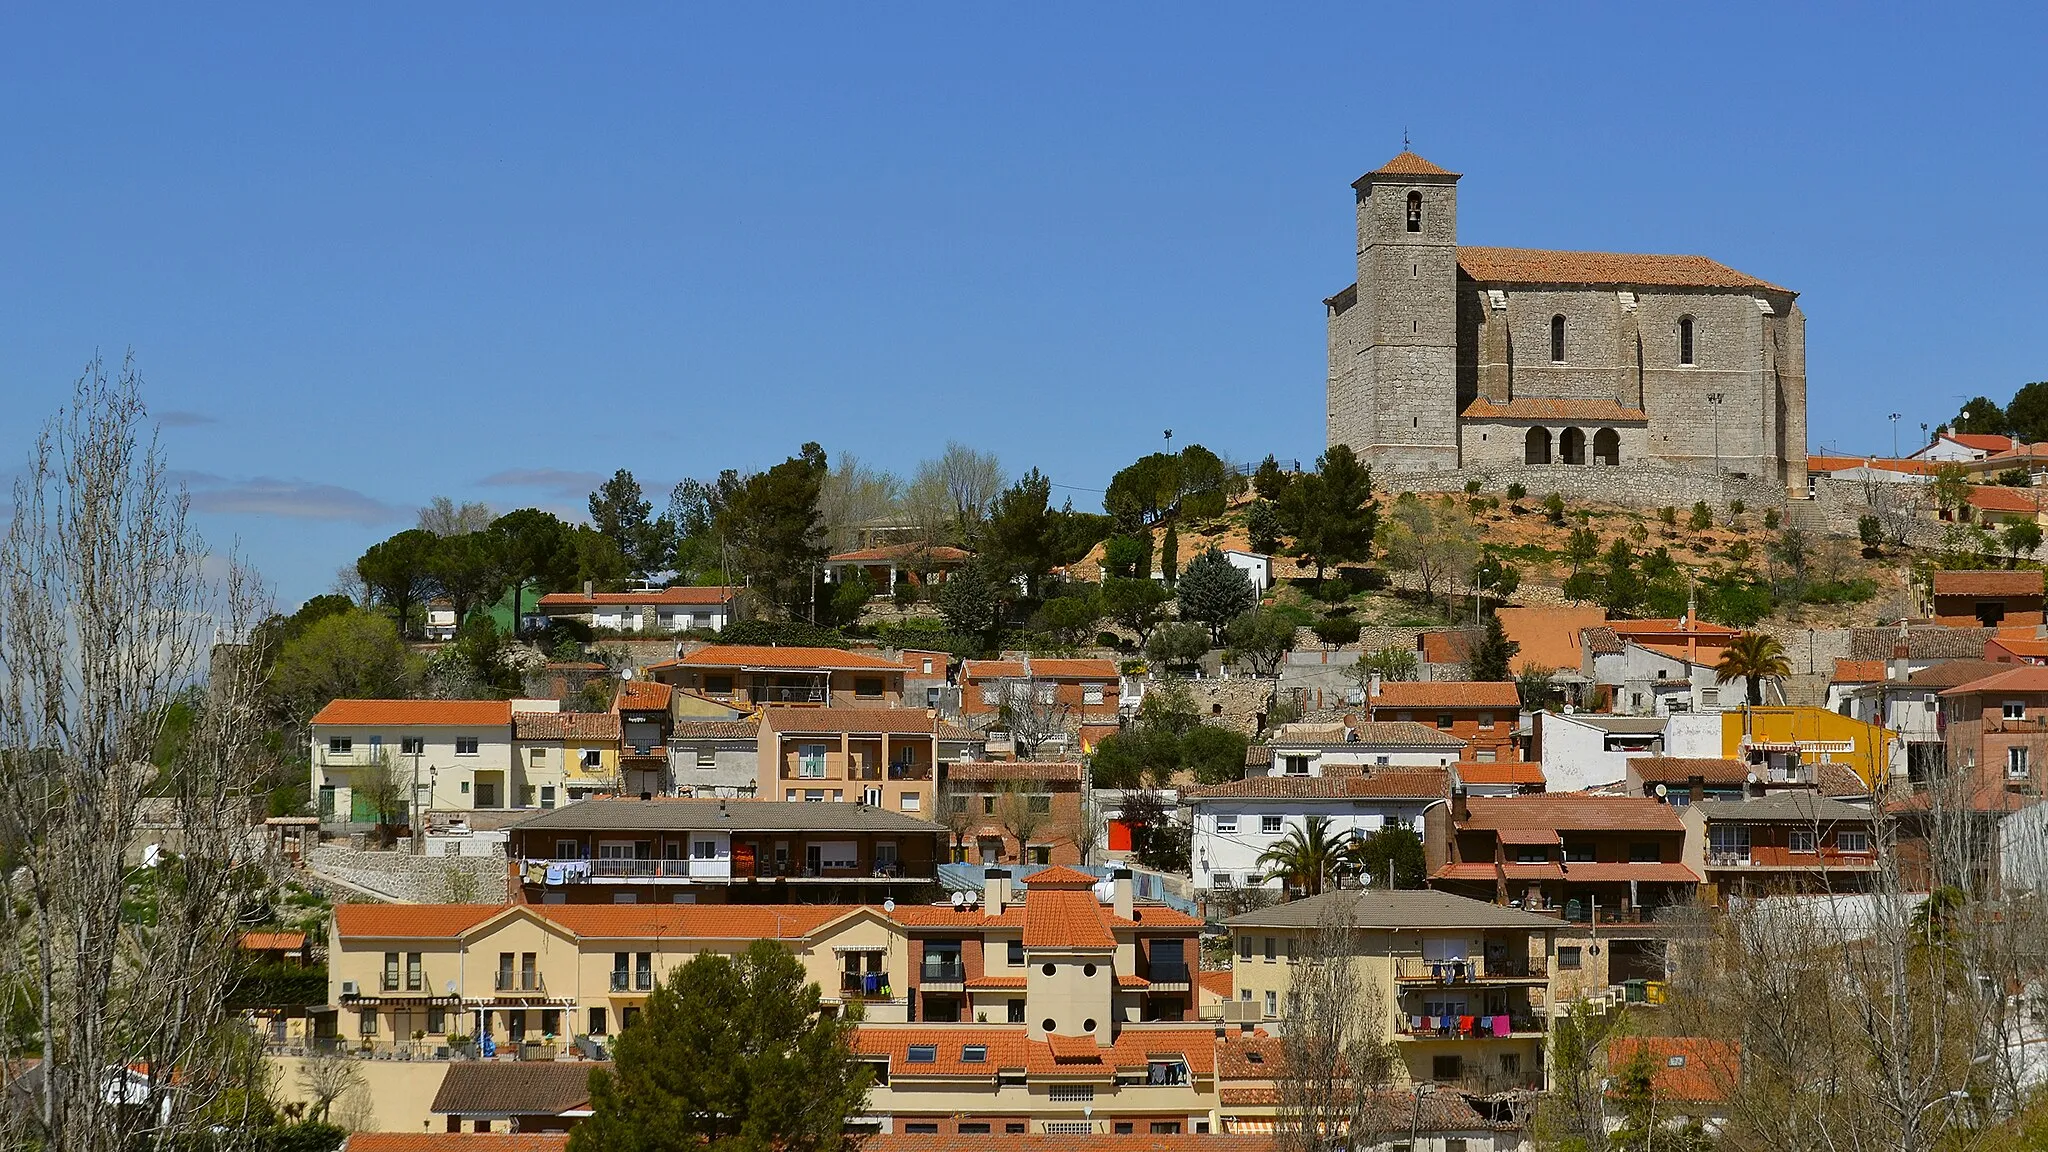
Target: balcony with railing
<point x="521" y="981"/>
<point x="1168" y="975"/>
<point x="935" y="973"/>
<point x="1474" y="970"/>
<point x="639" y="980"/>
<point x="1770" y="856"/>
<point x="554" y="872"/>
<point x="789" y="694"/>
<point x="1470" y="1026"/>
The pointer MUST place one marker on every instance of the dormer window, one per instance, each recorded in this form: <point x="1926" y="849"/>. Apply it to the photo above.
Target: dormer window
<point x="1415" y="211"/>
<point x="1557" y="339"/>
<point x="1685" y="340"/>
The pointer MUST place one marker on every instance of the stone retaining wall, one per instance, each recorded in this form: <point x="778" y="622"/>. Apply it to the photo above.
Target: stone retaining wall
<point x="1638" y="484"/>
<point x="406" y="878"/>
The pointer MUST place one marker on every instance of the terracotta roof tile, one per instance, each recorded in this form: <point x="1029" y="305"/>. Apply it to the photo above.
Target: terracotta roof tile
<point x="1684" y="1069"/>
<point x="272" y="941"/>
<point x="1981" y="582"/>
<point x="565" y="725"/>
<point x="1950" y="673"/>
<point x="1521" y="773"/>
<point x="1407" y="163"/>
<point x="1074" y="1049"/>
<point x="1601" y="641"/>
<point x="416" y="713"/>
<point x="1368" y="734"/>
<point x="1859" y="671"/>
<point x="1064" y="771"/>
<point x="1981" y="441"/>
<point x="1532" y="408"/>
<point x="2020" y="678"/>
<point x="1998" y="498"/>
<point x="1681" y="769"/>
<point x="778" y="658"/>
<point x="1572" y="811"/>
<point x="410" y="921"/>
<point x="1447" y="694"/>
<point x="1926" y="642"/>
<point x="1622" y="269"/>
<point x="643" y="696"/>
<point x="514" y="1088"/>
<point x="1217" y="982"/>
<point x="1065" y="918"/>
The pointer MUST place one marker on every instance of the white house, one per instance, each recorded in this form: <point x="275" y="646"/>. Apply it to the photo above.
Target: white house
<point x="450" y="755"/>
<point x="441" y="621"/>
<point x="1586" y="750"/>
<point x="1311" y="749"/>
<point x="1647" y="682"/>
<point x="1236" y="823"/>
<point x="1257" y="566"/>
<point x="1957" y="447"/>
<point x="660" y="611"/>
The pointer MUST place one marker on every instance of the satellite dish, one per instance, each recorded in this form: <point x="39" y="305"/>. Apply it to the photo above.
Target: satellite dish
<point x="451" y="987"/>
<point x="889" y="905"/>
<point x="1752" y="777"/>
<point x="959" y="900"/>
<point x="1662" y="791"/>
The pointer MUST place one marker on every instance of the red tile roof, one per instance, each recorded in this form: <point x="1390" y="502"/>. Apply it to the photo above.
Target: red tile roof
<point x="1587" y="411"/>
<point x="1574" y="812"/>
<point x="1981" y="441"/>
<point x="1618" y="873"/>
<point x="1406" y="163"/>
<point x="1818" y="463"/>
<point x="410" y="921"/>
<point x="643" y="696"/>
<point x="1062" y="917"/>
<point x="416" y="713"/>
<point x="1520" y="773"/>
<point x="780" y="659"/>
<point x="2021" y="678"/>
<point x="1217" y="982"/>
<point x="1988" y="582"/>
<point x="1998" y="498"/>
<point x="693" y="921"/>
<point x="1685" y="1069"/>
<point x="1549" y="637"/>
<point x="565" y="725"/>
<point x="2025" y="649"/>
<point x="272" y="941"/>
<point x="1544" y="266"/>
<point x="1064" y="771"/>
<point x="1681" y="769"/>
<point x="1041" y="669"/>
<point x="1497" y="694"/>
<point x="1859" y="671"/>
<point x="675" y="595"/>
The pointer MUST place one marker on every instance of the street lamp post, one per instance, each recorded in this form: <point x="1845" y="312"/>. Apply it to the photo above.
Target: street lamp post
<point x="1894" y="418"/>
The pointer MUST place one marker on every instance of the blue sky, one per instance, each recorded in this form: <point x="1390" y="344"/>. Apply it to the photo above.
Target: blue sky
<point x="381" y="252"/>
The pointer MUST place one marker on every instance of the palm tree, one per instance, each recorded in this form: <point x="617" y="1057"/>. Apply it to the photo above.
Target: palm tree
<point x="1754" y="657"/>
<point x="1306" y="858"/>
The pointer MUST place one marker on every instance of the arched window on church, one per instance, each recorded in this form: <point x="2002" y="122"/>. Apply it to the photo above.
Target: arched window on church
<point x="1685" y="339"/>
<point x="1415" y="211"/>
<point x="1607" y="446"/>
<point x="1557" y="339"/>
<point x="1536" y="446"/>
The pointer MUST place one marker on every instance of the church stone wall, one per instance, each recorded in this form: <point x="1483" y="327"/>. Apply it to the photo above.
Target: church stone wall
<point x="1592" y="368"/>
<point x="1641" y="486"/>
<point x="1489" y="444"/>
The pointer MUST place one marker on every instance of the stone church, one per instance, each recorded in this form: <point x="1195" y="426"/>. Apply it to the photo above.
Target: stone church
<point x="1445" y="357"/>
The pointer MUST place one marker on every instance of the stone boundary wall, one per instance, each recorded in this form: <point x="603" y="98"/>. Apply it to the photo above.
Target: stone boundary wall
<point x="1635" y="483"/>
<point x="406" y="878"/>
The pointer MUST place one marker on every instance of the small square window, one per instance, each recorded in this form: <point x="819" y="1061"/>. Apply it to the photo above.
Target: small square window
<point x="412" y="745"/>
<point x="1443" y="719"/>
<point x="922" y="1054"/>
<point x="1226" y="825"/>
<point x="974" y="1054"/>
<point x="1800" y="841"/>
<point x="867" y="686"/>
<point x="465" y="745"/>
<point x="2015" y="710"/>
<point x="1015" y="953"/>
<point x="1568" y="958"/>
<point x="1270" y="825"/>
<point x="340" y="745"/>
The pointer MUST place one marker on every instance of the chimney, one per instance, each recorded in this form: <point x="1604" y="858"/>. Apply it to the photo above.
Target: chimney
<point x="995" y="890"/>
<point x="1899" y="654"/>
<point x="1372" y="688"/>
<point x="1697" y="786"/>
<point x="1461" y="810"/>
<point x="1122" y="901"/>
<point x="589" y="589"/>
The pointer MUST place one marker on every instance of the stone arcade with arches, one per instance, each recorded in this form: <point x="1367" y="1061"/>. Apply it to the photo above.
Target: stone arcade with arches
<point x="1443" y="357"/>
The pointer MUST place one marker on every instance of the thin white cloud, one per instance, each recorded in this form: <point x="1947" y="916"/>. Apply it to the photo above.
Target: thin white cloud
<point x="555" y="481"/>
<point x="177" y="418"/>
<point x="293" y="499"/>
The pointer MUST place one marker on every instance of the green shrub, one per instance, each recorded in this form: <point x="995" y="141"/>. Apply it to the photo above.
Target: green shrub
<point x="1516" y="491"/>
<point x="1735" y="507"/>
<point x="1471" y="487"/>
<point x="1668" y="515"/>
<point x="1771" y="519"/>
<point x="1702" y="517"/>
<point x="1553" y="507"/>
<point x="1337" y="631"/>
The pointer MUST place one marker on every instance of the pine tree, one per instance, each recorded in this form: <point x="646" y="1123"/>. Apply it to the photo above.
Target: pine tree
<point x="1493" y="655"/>
<point x="1214" y="592"/>
<point x="730" y="1053"/>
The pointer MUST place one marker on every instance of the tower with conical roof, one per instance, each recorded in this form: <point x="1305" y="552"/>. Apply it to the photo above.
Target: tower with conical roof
<point x="1393" y="380"/>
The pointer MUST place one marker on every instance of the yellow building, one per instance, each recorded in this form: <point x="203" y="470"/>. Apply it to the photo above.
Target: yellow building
<point x="1785" y="742"/>
<point x="565" y="756"/>
<point x="1465" y="985"/>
